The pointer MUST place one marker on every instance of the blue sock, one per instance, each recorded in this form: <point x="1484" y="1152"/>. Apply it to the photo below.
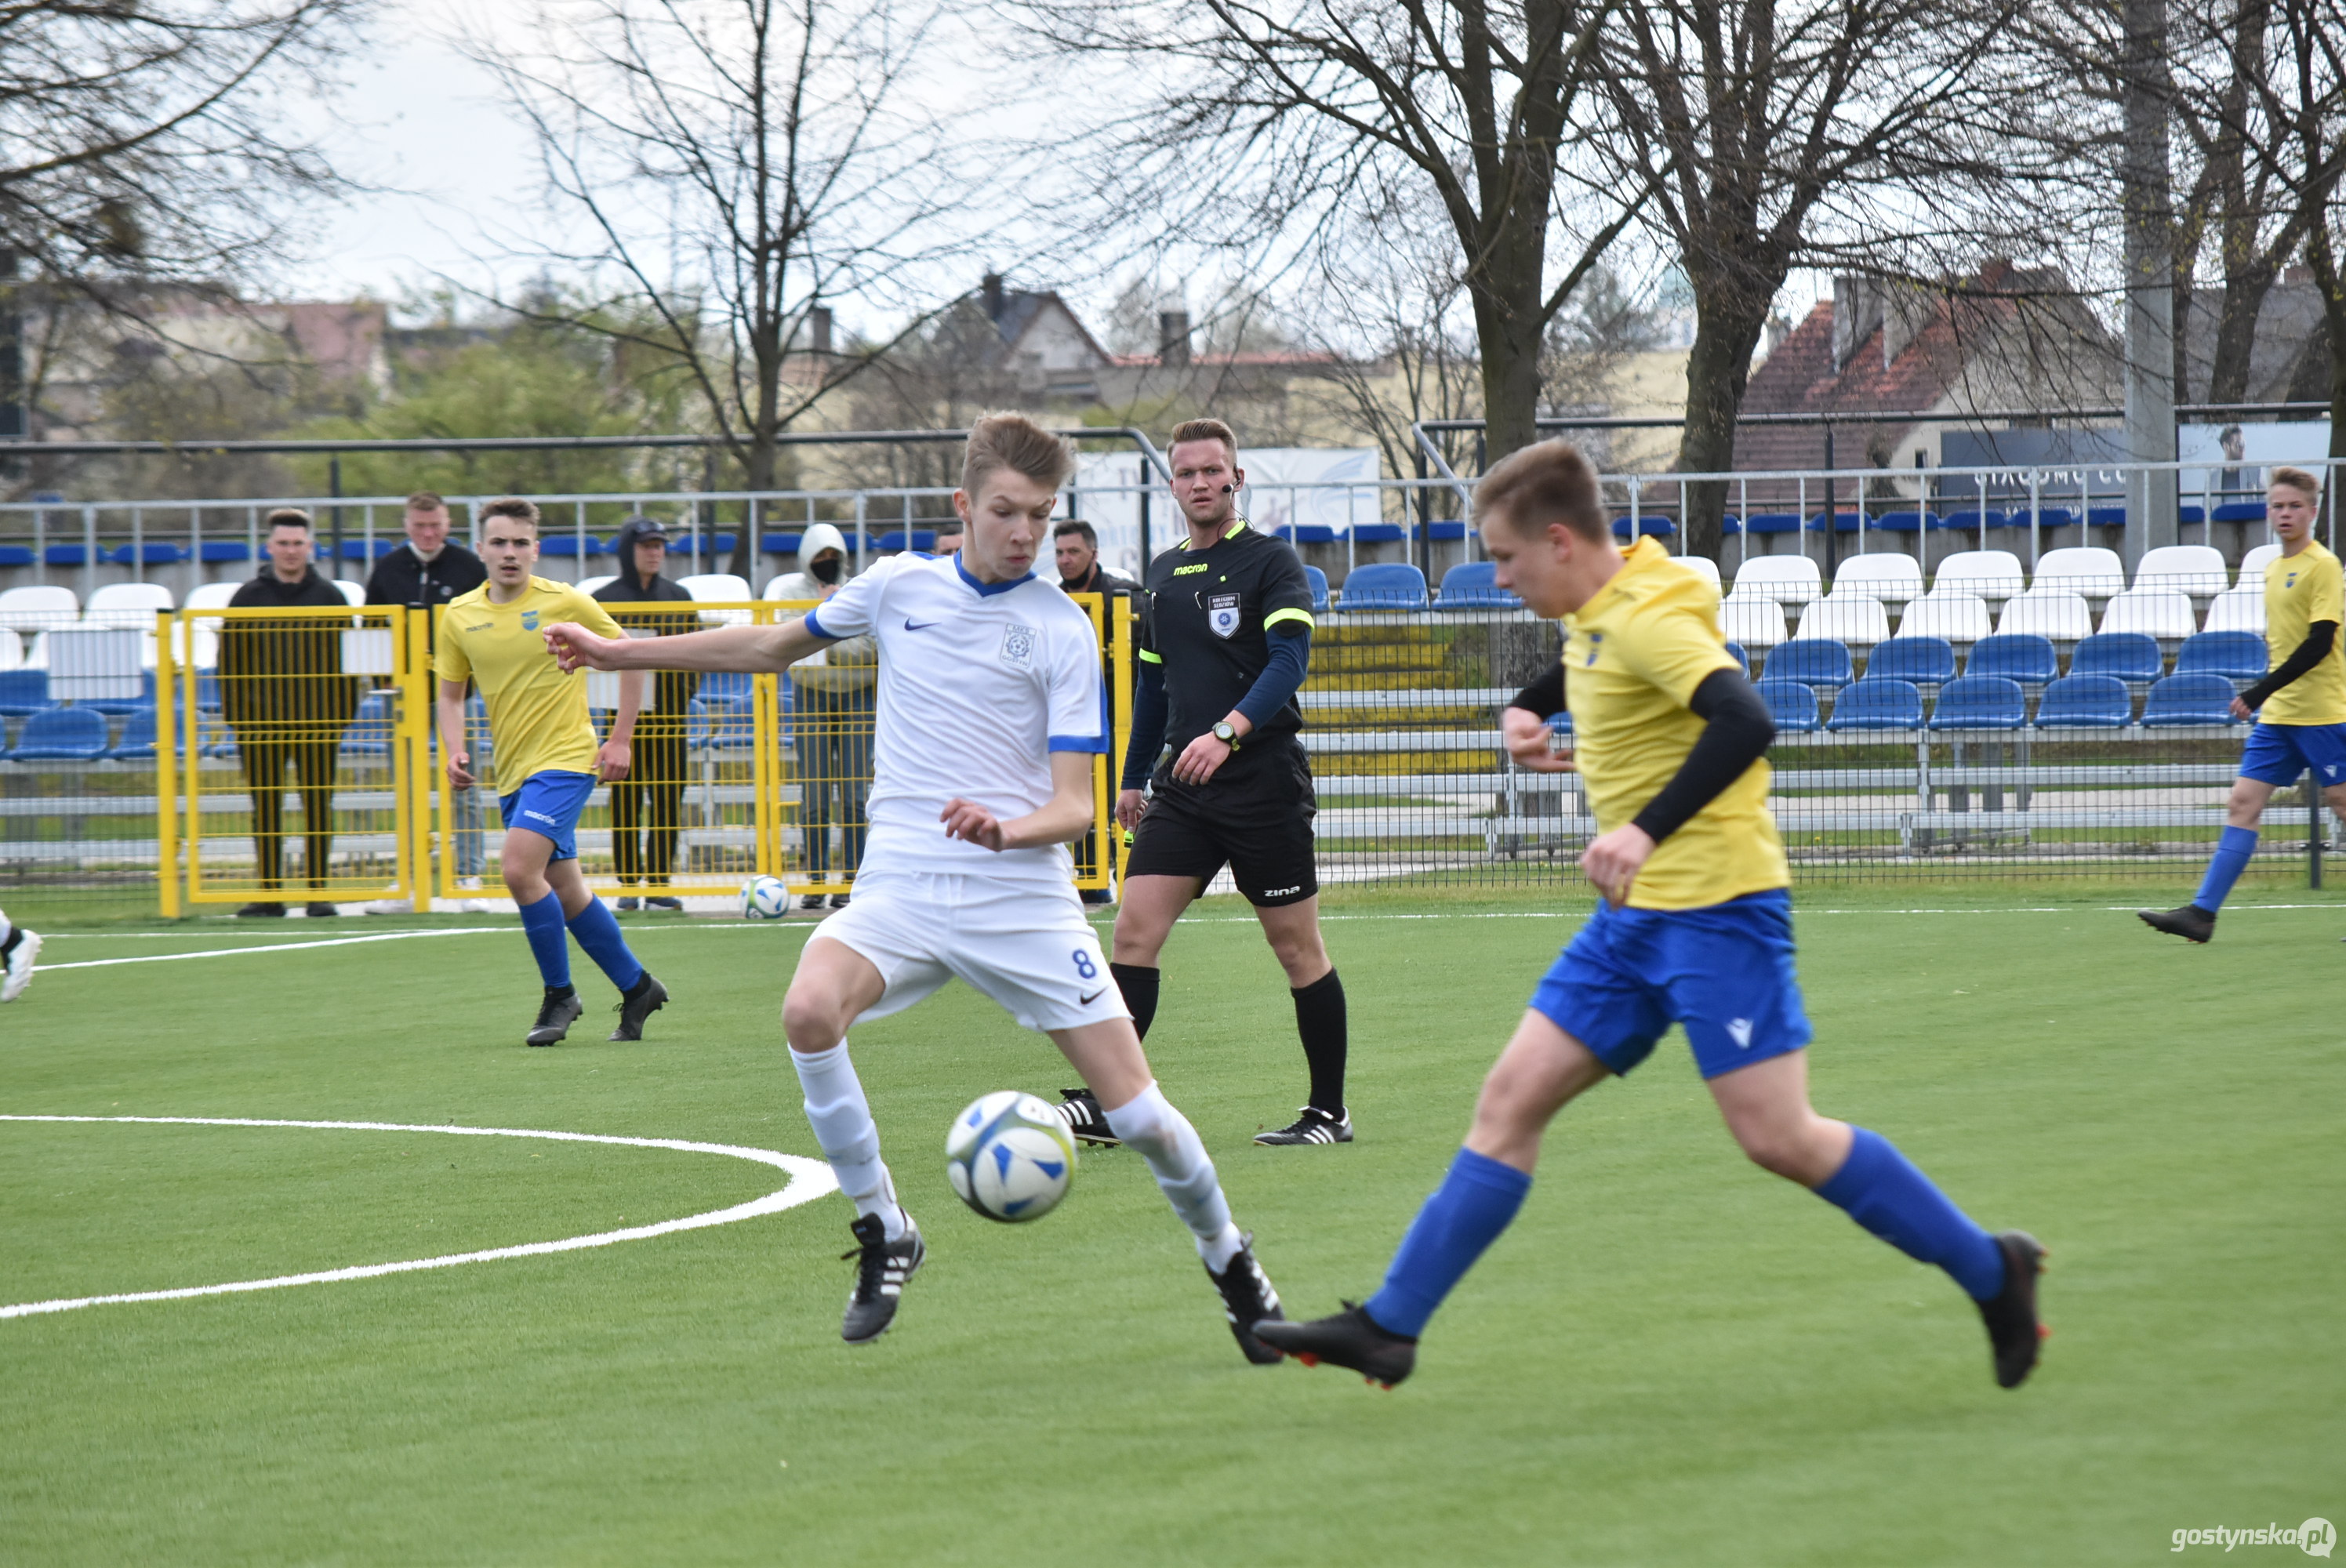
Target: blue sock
<point x="543" y="923"/>
<point x="2232" y="853"/>
<point x="1476" y="1201"/>
<point x="1884" y="1192"/>
<point x="597" y="931"/>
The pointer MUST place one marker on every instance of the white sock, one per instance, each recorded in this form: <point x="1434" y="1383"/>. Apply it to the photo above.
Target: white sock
<point x="1177" y="1158"/>
<point x="842" y="1120"/>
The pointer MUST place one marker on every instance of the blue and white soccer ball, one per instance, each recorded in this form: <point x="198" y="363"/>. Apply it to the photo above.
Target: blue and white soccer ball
<point x="1009" y="1156"/>
<point x="765" y="898"/>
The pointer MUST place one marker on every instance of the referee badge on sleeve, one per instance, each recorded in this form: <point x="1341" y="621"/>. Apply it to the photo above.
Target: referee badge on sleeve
<point x="1222" y="614"/>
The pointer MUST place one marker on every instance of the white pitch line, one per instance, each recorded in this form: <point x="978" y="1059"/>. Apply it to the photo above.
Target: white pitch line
<point x="272" y="947"/>
<point x="809" y="1179"/>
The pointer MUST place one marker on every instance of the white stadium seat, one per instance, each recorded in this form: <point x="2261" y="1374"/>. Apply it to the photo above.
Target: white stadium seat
<point x="2161" y="612"/>
<point x="1949" y="613"/>
<point x="2054" y="613"/>
<point x="128" y="605"/>
<point x="1990" y="574"/>
<point x="1702" y="566"/>
<point x="2240" y="609"/>
<point x="718" y="587"/>
<point x="1755" y="622"/>
<point x="1787" y="579"/>
<point x="2086" y="569"/>
<point x="12" y="649"/>
<point x="1887" y="574"/>
<point x="588" y="586"/>
<point x="37" y="607"/>
<point x="1857" y="619"/>
<point x="2252" y="564"/>
<point x="211" y="596"/>
<point x="2190" y="568"/>
<point x="352" y="592"/>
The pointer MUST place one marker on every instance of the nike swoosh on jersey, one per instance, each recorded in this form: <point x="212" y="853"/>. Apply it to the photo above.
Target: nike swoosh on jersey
<point x="914" y="625"/>
<point x="1094" y="996"/>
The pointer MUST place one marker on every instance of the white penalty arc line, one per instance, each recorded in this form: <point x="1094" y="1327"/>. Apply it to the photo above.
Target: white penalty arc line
<point x="272" y="947"/>
<point x="809" y="1180"/>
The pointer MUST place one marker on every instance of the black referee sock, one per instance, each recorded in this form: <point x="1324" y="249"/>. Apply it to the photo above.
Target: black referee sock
<point x="1139" y="987"/>
<point x="1319" y="1023"/>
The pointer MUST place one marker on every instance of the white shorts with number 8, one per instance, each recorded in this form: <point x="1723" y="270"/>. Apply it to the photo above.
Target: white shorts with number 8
<point x="1025" y="945"/>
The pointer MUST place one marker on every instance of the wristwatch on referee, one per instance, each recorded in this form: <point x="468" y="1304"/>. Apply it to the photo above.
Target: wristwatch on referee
<point x="1225" y="734"/>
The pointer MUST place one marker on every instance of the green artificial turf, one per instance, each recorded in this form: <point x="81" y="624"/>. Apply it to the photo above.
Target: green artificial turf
<point x="1672" y="1358"/>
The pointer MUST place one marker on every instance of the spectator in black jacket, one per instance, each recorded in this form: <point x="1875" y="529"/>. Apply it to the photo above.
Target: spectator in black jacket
<point x="285" y="697"/>
<point x="424" y="574"/>
<point x="1075" y="547"/>
<point x="647" y="805"/>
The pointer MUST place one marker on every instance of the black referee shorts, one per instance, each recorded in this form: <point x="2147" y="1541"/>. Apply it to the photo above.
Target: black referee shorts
<point x="1268" y="845"/>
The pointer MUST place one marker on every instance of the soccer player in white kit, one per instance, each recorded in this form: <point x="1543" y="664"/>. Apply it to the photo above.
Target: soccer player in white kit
<point x="991" y="711"/>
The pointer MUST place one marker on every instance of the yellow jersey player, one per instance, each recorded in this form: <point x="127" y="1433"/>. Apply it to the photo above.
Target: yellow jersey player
<point x="548" y="761"/>
<point x="2299" y="707"/>
<point x="1696" y="928"/>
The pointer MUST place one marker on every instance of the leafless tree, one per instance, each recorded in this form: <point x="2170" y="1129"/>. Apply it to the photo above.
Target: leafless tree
<point x="149" y="140"/>
<point x="2299" y="138"/>
<point x="1786" y="133"/>
<point x="739" y="166"/>
<point x="1296" y="116"/>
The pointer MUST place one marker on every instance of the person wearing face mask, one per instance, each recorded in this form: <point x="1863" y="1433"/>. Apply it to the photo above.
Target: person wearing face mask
<point x="832" y="695"/>
<point x="647" y="805"/>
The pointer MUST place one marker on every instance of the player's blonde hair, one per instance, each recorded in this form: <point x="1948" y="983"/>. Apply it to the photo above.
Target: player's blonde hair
<point x="1547" y="482"/>
<point x="1015" y="442"/>
<point x="519" y="508"/>
<point x="1205" y="430"/>
<point x="2299" y="480"/>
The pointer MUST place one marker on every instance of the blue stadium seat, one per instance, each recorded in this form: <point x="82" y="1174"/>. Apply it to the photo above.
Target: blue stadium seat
<point x="1306" y="533"/>
<point x="2129" y="655"/>
<point x="65" y="555"/>
<point x="16" y="556"/>
<point x="369" y="733"/>
<point x="2047" y="517"/>
<point x="1443" y="528"/>
<point x="2240" y="511"/>
<point x="2181" y="700"/>
<point x="137" y="742"/>
<point x="2023" y="657"/>
<point x="1792" y="705"/>
<point x="1772" y="523"/>
<point x="1378" y="533"/>
<point x="1385" y="586"/>
<point x="1971" y="520"/>
<point x="216" y="551"/>
<point x="2106" y="516"/>
<point x="731" y="685"/>
<point x="1841" y="522"/>
<point x="1741" y="658"/>
<point x="2086" y="702"/>
<point x="1909" y="522"/>
<point x="23" y="691"/>
<point x="2189" y="513"/>
<point x="1648" y="526"/>
<point x="1470" y="585"/>
<point x="726" y="725"/>
<point x="208" y="691"/>
<point x="1813" y="662"/>
<point x="147" y="553"/>
<point x="1979" y="702"/>
<point x="117" y="705"/>
<point x="1926" y="661"/>
<point x="780" y="544"/>
<point x="1877" y="705"/>
<point x="376" y="549"/>
<point x="1730" y="524"/>
<point x="1319" y="581"/>
<point x="921" y="539"/>
<point x="2235" y="655"/>
<point x="567" y="545"/>
<point x="68" y="735"/>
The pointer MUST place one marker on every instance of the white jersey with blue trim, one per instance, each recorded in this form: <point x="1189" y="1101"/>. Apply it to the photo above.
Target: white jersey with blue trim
<point x="979" y="684"/>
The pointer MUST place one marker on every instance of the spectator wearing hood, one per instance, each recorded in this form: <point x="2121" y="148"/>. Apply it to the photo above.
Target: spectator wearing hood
<point x="647" y="805"/>
<point x="832" y="694"/>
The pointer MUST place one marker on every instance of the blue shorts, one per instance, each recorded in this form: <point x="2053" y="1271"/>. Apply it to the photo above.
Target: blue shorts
<point x="2277" y="753"/>
<point x="1724" y="971"/>
<point x="548" y="804"/>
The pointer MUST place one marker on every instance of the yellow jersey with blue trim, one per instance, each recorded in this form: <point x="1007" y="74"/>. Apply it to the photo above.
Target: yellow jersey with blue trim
<point x="1633" y="655"/>
<point x="2300" y="590"/>
<point x="538" y="715"/>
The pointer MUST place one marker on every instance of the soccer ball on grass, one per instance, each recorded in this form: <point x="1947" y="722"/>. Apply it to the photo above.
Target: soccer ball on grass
<point x="765" y="898"/>
<point x="1009" y="1156"/>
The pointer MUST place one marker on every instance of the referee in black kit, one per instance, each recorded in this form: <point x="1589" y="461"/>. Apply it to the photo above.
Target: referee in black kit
<point x="1223" y="645"/>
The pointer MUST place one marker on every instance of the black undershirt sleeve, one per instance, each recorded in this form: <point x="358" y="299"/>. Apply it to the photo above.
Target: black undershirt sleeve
<point x="1736" y="732"/>
<point x="2319" y="637"/>
<point x="1544" y="696"/>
